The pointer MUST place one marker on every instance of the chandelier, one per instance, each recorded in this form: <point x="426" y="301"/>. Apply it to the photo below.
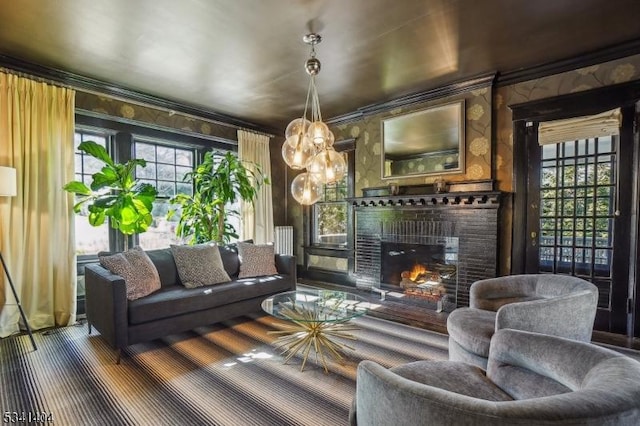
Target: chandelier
<point x="309" y="142"/>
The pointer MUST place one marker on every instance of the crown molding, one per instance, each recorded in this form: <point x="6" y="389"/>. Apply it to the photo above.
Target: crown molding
<point x="92" y="85"/>
<point x="452" y="89"/>
<point x="610" y="53"/>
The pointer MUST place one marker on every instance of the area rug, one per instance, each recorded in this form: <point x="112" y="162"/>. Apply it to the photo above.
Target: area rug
<point x="224" y="374"/>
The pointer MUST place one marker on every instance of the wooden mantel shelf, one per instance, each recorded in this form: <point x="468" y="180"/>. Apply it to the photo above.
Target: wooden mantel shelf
<point x="452" y="199"/>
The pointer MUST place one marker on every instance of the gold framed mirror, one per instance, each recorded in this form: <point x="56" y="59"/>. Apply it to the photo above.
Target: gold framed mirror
<point x="426" y="142"/>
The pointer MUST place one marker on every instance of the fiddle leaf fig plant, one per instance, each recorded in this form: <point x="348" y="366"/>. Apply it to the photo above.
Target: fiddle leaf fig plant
<point x="218" y="182"/>
<point x="114" y="193"/>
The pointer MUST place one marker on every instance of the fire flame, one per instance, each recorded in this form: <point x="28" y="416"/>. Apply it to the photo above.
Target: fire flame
<point x="417" y="271"/>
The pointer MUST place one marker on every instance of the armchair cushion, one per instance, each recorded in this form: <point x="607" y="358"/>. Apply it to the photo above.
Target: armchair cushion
<point x="461" y="320"/>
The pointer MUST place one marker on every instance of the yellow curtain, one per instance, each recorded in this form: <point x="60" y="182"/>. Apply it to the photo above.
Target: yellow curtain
<point x="36" y="231"/>
<point x="257" y="218"/>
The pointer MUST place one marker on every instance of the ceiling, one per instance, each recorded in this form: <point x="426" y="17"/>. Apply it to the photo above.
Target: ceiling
<point x="244" y="58"/>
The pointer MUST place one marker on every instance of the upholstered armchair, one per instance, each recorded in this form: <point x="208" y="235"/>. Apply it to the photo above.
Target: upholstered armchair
<point x="558" y="305"/>
<point x="531" y="379"/>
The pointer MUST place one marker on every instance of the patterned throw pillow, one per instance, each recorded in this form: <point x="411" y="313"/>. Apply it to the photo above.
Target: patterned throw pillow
<point x="140" y="274"/>
<point x="199" y="265"/>
<point x="256" y="260"/>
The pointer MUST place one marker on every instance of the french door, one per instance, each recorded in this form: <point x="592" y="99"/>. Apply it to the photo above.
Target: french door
<point x="579" y="221"/>
<point x="576" y="204"/>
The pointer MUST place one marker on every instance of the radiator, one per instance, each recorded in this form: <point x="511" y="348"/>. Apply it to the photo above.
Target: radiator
<point x="283" y="240"/>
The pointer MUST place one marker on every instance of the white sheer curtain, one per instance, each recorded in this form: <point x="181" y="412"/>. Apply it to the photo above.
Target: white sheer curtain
<point x="36" y="226"/>
<point x="257" y="218"/>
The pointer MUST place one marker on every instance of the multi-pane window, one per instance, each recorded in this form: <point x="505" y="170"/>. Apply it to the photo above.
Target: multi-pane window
<point x="165" y="170"/>
<point x="89" y="239"/>
<point x="330" y="214"/>
<point x="577" y="207"/>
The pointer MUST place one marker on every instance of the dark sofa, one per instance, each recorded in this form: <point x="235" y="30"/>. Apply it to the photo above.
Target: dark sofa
<point x="175" y="308"/>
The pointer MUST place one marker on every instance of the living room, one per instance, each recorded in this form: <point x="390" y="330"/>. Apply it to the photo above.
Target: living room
<point x="169" y="82"/>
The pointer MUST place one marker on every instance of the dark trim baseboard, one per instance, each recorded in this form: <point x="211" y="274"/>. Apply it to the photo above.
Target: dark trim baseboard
<point x="93" y="85"/>
<point x="341" y="278"/>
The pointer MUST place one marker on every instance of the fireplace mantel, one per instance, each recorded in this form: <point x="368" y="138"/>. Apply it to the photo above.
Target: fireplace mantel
<point x="451" y="199"/>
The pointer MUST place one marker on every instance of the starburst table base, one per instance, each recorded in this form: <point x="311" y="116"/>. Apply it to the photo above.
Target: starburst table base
<point x="301" y="337"/>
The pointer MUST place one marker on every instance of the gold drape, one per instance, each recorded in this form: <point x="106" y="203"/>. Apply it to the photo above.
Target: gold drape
<point x="257" y="218"/>
<point x="36" y="231"/>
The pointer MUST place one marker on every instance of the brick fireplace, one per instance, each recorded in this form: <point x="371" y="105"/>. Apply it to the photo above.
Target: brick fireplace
<point x="454" y="234"/>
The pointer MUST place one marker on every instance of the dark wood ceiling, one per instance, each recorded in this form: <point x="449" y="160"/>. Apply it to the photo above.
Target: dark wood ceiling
<point x="244" y="58"/>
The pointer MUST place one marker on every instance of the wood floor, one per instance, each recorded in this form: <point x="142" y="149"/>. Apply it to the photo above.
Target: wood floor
<point x="431" y="320"/>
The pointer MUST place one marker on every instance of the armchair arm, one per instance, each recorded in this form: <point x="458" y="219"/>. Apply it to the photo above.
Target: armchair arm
<point x="286" y="265"/>
<point x="569" y="316"/>
<point x="106" y="304"/>
<point x="492" y="293"/>
<point x="385" y="398"/>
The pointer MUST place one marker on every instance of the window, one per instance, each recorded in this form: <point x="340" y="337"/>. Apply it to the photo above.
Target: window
<point x="165" y="170"/>
<point x="89" y="239"/>
<point x="330" y="214"/>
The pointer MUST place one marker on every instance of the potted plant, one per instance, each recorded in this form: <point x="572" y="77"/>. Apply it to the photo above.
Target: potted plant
<point x="219" y="181"/>
<point x="114" y="193"/>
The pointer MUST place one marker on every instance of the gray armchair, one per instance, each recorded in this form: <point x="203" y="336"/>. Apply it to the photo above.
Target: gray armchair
<point x="558" y="305"/>
<point x="531" y="379"/>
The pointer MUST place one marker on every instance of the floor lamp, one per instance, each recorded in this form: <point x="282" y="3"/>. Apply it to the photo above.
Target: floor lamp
<point x="8" y="188"/>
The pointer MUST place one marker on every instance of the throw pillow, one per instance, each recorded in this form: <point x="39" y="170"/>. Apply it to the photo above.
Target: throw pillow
<point x="140" y="274"/>
<point x="199" y="265"/>
<point x="256" y="260"/>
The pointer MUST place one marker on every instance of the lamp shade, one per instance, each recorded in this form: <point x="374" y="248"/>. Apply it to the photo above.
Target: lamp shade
<point x="8" y="187"/>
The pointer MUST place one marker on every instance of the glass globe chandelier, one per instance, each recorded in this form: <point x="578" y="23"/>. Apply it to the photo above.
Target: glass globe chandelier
<point x="309" y="142"/>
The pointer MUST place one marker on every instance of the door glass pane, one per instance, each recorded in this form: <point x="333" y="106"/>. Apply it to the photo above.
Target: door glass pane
<point x="576" y="214"/>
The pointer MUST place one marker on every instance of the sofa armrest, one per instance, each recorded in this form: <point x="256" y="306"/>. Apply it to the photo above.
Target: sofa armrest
<point x="492" y="293"/>
<point x="286" y="265"/>
<point x="569" y="316"/>
<point x="106" y="304"/>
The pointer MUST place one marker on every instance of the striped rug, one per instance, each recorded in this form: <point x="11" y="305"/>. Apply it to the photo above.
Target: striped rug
<point x="224" y="374"/>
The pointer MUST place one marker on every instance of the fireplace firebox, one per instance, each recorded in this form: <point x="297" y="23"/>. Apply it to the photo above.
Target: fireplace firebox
<point x="425" y="271"/>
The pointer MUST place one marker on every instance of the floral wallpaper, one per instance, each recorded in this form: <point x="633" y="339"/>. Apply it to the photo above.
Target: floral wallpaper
<point x="605" y="74"/>
<point x="111" y="107"/>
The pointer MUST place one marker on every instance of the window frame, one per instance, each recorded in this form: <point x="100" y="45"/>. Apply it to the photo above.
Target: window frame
<point x="343" y="251"/>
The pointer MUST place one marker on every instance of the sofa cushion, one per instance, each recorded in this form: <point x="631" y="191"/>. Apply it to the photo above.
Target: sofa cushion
<point x="256" y="260"/>
<point x="178" y="300"/>
<point x="199" y="265"/>
<point x="230" y="259"/>
<point x="457" y="377"/>
<point x="139" y="273"/>
<point x="166" y="266"/>
<point x="472" y="329"/>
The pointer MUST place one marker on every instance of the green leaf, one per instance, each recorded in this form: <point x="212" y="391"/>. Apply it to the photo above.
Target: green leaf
<point x="95" y="150"/>
<point x="77" y="187"/>
<point x="105" y="177"/>
<point x="96" y="218"/>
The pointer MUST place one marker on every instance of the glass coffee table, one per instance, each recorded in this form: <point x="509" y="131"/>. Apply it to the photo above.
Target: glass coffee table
<point x="316" y="317"/>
